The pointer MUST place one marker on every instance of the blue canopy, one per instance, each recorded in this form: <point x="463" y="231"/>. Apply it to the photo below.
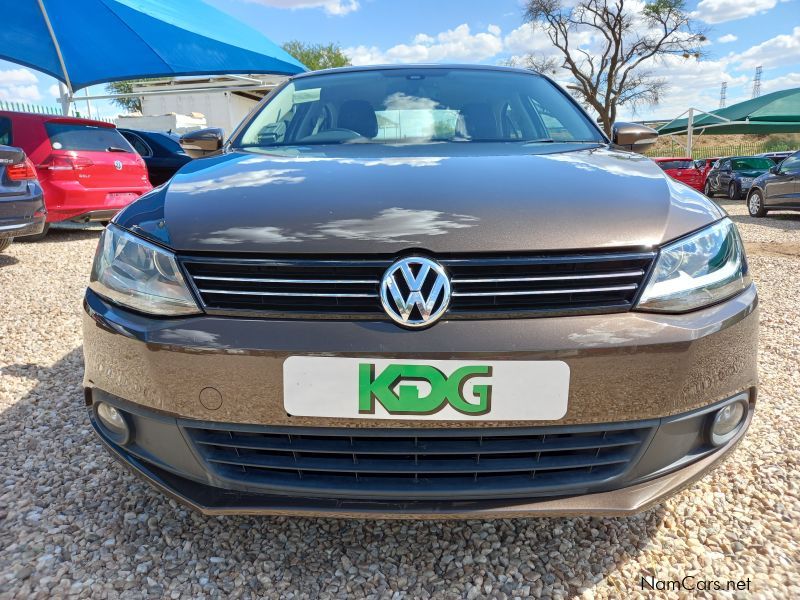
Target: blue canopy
<point x="84" y="42"/>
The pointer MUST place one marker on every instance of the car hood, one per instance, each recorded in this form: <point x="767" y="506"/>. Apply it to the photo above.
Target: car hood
<point x="749" y="173"/>
<point x="369" y="198"/>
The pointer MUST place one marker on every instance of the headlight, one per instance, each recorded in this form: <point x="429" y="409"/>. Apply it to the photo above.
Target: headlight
<point x="701" y="269"/>
<point x="131" y="272"/>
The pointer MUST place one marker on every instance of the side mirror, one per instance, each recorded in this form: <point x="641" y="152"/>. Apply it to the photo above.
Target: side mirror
<point x="632" y="136"/>
<point x="202" y="142"/>
<point x="775" y="170"/>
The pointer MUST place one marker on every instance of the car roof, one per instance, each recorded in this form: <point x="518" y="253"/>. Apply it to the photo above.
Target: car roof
<point x="462" y="67"/>
<point x="171" y="134"/>
<point x="54" y="118"/>
<point x="666" y="158"/>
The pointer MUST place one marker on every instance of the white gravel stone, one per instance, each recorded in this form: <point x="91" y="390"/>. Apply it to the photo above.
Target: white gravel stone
<point x="73" y="523"/>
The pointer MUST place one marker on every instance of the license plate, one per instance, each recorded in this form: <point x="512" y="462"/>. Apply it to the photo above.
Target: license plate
<point x="121" y="196"/>
<point x="435" y="390"/>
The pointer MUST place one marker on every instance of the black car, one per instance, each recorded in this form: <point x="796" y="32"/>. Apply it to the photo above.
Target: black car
<point x="777" y="157"/>
<point x="161" y="151"/>
<point x="734" y="175"/>
<point x="778" y="189"/>
<point x="22" y="209"/>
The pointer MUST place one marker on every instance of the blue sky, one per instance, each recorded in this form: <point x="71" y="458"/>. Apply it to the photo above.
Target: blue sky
<point x="743" y="34"/>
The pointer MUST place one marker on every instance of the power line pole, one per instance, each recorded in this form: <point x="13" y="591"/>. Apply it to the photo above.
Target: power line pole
<point x="757" y="82"/>
<point x="723" y="94"/>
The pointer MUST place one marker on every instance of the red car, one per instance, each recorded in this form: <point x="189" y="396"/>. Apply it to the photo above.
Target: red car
<point x="683" y="170"/>
<point x="87" y="170"/>
<point x="704" y="165"/>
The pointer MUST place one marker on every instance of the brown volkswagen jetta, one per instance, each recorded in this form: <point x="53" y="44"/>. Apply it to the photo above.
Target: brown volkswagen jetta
<point x="421" y="291"/>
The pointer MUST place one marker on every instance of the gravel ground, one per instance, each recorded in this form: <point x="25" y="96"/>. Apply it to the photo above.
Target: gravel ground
<point x="74" y="523"/>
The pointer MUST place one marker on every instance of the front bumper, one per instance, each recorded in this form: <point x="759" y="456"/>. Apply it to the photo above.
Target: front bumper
<point x="659" y="373"/>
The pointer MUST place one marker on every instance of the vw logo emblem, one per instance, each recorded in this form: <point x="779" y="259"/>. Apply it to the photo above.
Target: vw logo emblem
<point x="118" y="165"/>
<point x="415" y="291"/>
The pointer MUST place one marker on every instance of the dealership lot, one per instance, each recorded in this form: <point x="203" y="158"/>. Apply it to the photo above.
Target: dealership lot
<point x="73" y="522"/>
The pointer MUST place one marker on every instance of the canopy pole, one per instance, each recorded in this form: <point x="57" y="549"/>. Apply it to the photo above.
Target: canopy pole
<point x="65" y="102"/>
<point x="689" y="131"/>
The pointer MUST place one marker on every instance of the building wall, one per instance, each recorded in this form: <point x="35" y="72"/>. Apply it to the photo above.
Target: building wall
<point x="221" y="109"/>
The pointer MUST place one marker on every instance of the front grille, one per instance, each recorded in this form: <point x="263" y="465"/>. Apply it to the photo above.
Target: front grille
<point x="421" y="464"/>
<point x="483" y="286"/>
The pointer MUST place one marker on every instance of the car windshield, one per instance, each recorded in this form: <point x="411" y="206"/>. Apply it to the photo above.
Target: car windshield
<point x="76" y="136"/>
<point x="418" y="105"/>
<point x="676" y="164"/>
<point x="751" y="163"/>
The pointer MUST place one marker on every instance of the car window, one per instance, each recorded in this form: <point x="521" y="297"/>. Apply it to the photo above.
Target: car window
<point x="791" y="164"/>
<point x="76" y="136"/>
<point x="751" y="163"/>
<point x="169" y="142"/>
<point x="413" y="105"/>
<point x="5" y="131"/>
<point x="138" y="143"/>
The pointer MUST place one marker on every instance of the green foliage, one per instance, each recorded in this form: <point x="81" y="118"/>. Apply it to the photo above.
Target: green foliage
<point x="131" y="103"/>
<point x="317" y="56"/>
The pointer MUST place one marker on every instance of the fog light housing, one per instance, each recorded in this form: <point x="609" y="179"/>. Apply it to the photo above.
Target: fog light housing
<point x="113" y="422"/>
<point x="727" y="421"/>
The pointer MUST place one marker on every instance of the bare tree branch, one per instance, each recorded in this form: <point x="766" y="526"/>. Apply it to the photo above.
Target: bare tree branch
<point x="605" y="47"/>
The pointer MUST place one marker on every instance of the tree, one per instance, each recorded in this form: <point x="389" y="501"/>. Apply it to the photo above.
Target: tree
<point x="606" y="47"/>
<point x="130" y="103"/>
<point x="317" y="56"/>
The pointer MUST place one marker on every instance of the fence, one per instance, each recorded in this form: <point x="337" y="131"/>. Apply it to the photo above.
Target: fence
<point x="741" y="149"/>
<point x="45" y="110"/>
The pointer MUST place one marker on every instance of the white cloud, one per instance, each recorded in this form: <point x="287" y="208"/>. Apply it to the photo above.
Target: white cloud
<point x="19" y="85"/>
<point x="332" y="7"/>
<point x="54" y="91"/>
<point x="781" y="50"/>
<point x="727" y="38"/>
<point x="784" y="82"/>
<point x="454" y="45"/>
<point x="721" y="11"/>
<point x="690" y="83"/>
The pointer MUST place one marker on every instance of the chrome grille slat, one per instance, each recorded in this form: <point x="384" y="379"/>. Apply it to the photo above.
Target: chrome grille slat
<point x="288" y="294"/>
<point x="637" y="273"/>
<point x="297" y="281"/>
<point x="615" y="288"/>
<point x="483" y="286"/>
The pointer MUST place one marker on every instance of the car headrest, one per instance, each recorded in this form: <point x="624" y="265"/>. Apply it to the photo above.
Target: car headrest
<point x="480" y="122"/>
<point x="359" y="116"/>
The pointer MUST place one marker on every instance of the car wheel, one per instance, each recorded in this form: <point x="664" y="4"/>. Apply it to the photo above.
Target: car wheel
<point x="755" y="204"/>
<point x="707" y="189"/>
<point x="733" y="191"/>
<point x="37" y="237"/>
<point x="5" y="243"/>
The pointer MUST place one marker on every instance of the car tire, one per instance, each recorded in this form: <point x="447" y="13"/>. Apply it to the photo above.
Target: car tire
<point x="5" y="243"/>
<point x="707" y="189"/>
<point x="733" y="191"/>
<point x="755" y="204"/>
<point x="35" y="238"/>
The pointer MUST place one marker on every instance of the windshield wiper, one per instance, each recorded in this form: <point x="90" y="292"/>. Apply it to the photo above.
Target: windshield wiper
<point x="116" y="149"/>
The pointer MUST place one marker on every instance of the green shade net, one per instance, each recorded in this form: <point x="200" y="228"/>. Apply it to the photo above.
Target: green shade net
<point x="778" y="112"/>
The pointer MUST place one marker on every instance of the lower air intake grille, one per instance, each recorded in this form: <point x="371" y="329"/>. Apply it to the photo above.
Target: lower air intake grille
<point x="483" y="286"/>
<point x="421" y="464"/>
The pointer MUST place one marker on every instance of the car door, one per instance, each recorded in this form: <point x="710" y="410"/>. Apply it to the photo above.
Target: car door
<point x="724" y="175"/>
<point x="142" y="149"/>
<point x="783" y="188"/>
<point x="714" y="175"/>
